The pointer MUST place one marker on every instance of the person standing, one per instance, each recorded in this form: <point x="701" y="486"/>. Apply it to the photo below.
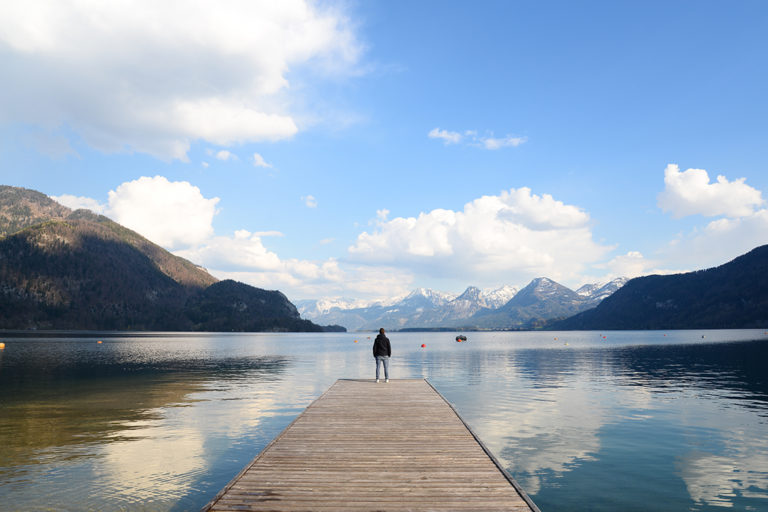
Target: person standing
<point x="382" y="351"/>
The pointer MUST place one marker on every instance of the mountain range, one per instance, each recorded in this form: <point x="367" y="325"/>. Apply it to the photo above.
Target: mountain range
<point x="507" y="307"/>
<point x="64" y="269"/>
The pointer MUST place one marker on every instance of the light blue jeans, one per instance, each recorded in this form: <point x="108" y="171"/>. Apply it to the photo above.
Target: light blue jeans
<point x="379" y="361"/>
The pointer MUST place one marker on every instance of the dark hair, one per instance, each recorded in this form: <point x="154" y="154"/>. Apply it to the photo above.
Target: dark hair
<point x="381" y="331"/>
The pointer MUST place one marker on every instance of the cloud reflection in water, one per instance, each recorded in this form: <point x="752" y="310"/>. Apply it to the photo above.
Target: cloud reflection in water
<point x="163" y="422"/>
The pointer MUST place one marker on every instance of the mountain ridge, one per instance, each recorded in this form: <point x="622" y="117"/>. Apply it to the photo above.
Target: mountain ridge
<point x="733" y="295"/>
<point x="64" y="269"/>
<point x="472" y="309"/>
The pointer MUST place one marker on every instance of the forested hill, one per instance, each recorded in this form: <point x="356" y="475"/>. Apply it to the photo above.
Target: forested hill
<point x="21" y="208"/>
<point x="731" y="296"/>
<point x="64" y="269"/>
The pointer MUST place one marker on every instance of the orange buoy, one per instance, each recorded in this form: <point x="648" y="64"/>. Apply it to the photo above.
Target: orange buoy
<point x="355" y="341"/>
<point x="99" y="342"/>
<point x="423" y="345"/>
<point x="2" y="346"/>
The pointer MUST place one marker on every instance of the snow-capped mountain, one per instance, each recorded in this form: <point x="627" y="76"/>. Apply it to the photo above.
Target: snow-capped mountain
<point x="319" y="307"/>
<point x="473" y="300"/>
<point x="596" y="292"/>
<point x="393" y="314"/>
<point x="500" y="308"/>
<point x="463" y="306"/>
<point x="588" y="289"/>
<point x="543" y="299"/>
<point x="607" y="289"/>
<point x="424" y="297"/>
<point x="494" y="299"/>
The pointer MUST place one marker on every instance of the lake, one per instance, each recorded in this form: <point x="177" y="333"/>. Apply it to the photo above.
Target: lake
<point x="584" y="421"/>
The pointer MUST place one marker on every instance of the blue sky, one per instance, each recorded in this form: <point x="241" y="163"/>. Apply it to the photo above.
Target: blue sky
<point x="362" y="149"/>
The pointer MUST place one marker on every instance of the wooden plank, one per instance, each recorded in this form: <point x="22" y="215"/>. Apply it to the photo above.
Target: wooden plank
<point x="365" y="446"/>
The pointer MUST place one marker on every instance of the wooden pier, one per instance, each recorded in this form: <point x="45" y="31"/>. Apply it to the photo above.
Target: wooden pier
<point x="364" y="446"/>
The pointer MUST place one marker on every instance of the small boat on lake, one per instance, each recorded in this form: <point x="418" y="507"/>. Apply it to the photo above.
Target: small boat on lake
<point x="460" y="338"/>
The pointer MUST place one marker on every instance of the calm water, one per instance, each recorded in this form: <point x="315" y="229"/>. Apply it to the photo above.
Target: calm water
<point x="584" y="421"/>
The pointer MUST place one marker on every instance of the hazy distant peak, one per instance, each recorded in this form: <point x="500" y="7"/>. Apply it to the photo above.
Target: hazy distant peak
<point x="496" y="298"/>
<point x="588" y="289"/>
<point x="471" y="293"/>
<point x="501" y="290"/>
<point x="432" y="296"/>
<point x="599" y="291"/>
<point x="544" y="284"/>
<point x="315" y="308"/>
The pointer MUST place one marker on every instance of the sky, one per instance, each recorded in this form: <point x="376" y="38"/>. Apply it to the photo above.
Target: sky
<point x="364" y="149"/>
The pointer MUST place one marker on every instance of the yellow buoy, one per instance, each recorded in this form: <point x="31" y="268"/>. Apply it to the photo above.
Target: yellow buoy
<point x="355" y="341"/>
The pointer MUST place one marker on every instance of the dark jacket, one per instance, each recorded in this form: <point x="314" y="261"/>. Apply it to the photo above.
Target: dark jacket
<point x="381" y="346"/>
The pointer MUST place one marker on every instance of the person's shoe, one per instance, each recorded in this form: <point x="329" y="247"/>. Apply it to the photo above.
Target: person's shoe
<point x="377" y="381"/>
<point x="387" y="380"/>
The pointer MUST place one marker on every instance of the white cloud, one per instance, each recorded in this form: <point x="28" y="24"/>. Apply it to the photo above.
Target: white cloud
<point x="508" y="141"/>
<point x="178" y="217"/>
<point x="262" y="234"/>
<point x="472" y="138"/>
<point x="205" y="165"/>
<point x="171" y="214"/>
<point x="496" y="239"/>
<point x="444" y="135"/>
<point x="718" y="242"/>
<point x="225" y="155"/>
<point x="155" y="77"/>
<point x="309" y="201"/>
<point x="258" y="161"/>
<point x="244" y="257"/>
<point x="631" y="264"/>
<point x="742" y="227"/>
<point x="78" y="202"/>
<point x="691" y="193"/>
<point x="299" y="279"/>
<point x="244" y="251"/>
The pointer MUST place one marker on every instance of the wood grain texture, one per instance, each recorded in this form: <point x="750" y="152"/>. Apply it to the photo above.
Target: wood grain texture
<point x="363" y="446"/>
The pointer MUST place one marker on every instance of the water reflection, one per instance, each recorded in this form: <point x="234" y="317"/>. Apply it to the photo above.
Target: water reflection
<point x="121" y="422"/>
<point x="585" y="421"/>
<point x="738" y="368"/>
<point x="644" y="417"/>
